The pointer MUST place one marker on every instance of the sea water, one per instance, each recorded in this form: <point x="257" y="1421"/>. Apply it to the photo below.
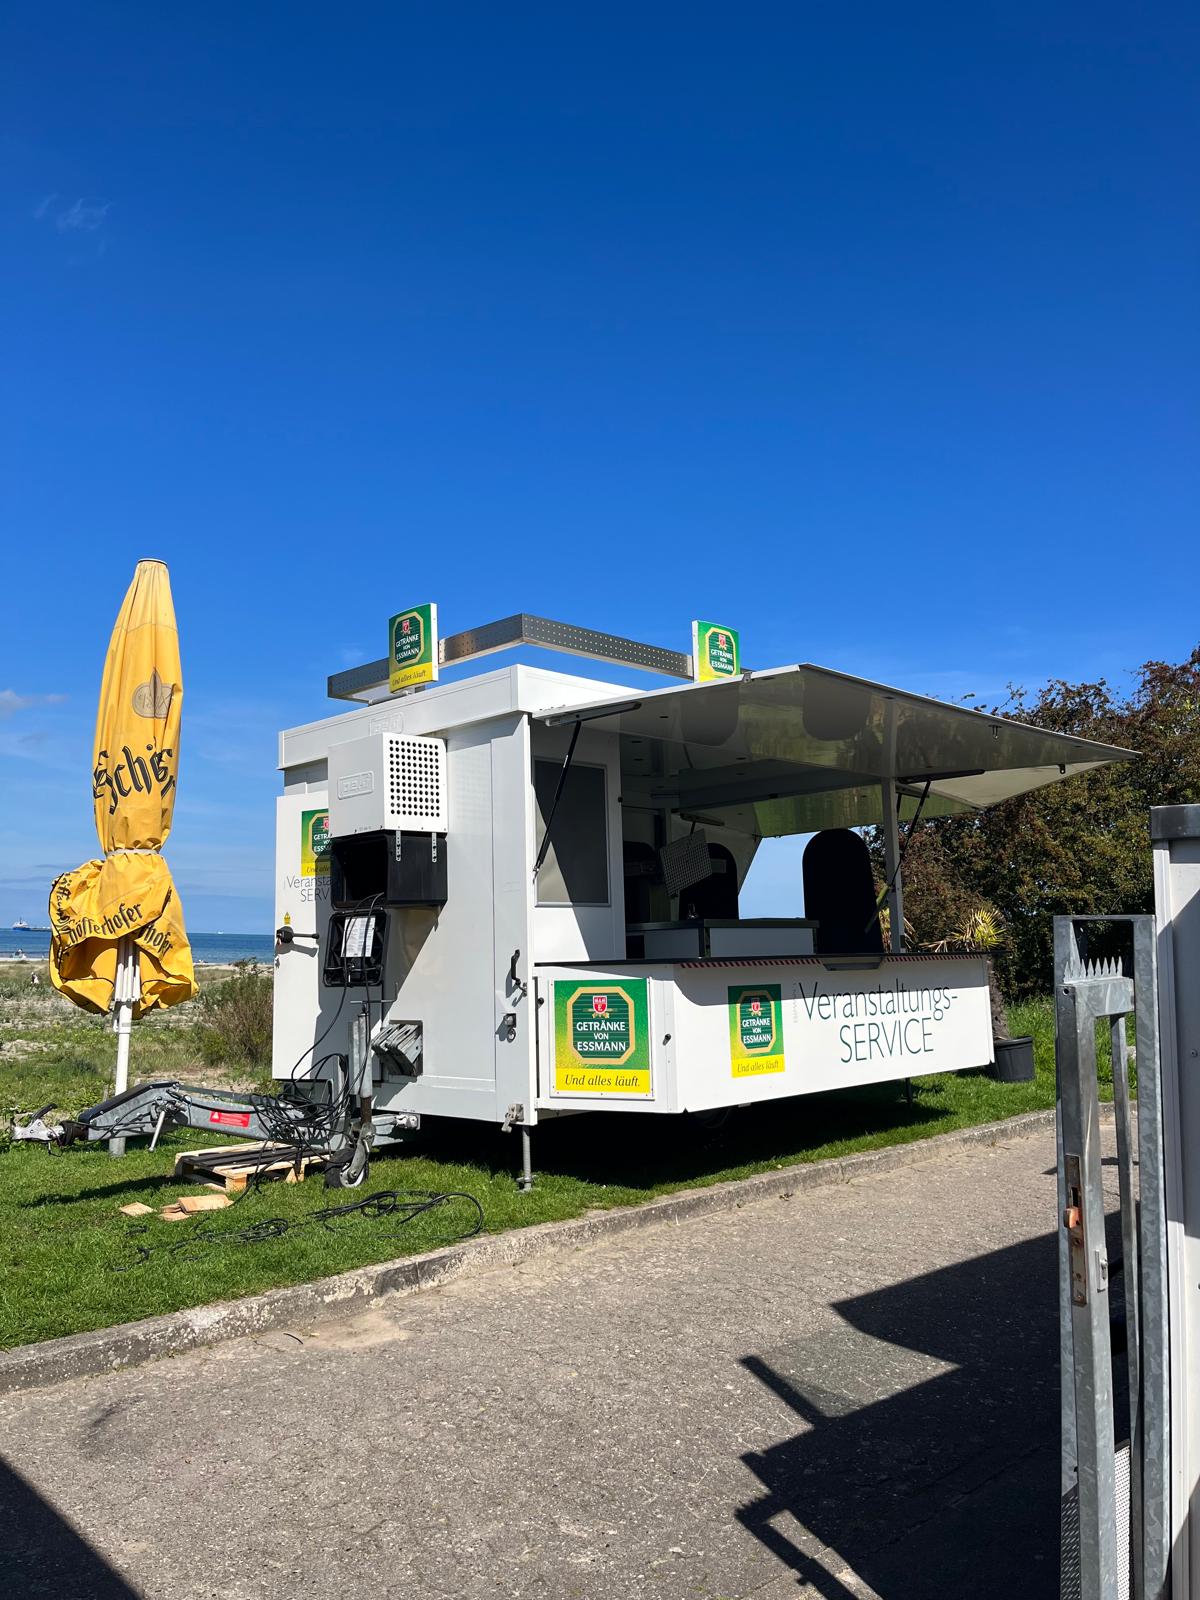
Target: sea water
<point x="212" y="949"/>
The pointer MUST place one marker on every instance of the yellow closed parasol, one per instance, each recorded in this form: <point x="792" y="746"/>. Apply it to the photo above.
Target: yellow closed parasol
<point x="118" y="936"/>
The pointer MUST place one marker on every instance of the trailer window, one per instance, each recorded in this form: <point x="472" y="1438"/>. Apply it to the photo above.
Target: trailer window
<point x="575" y="871"/>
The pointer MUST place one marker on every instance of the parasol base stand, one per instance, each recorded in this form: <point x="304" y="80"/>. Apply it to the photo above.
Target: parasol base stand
<point x="126" y="990"/>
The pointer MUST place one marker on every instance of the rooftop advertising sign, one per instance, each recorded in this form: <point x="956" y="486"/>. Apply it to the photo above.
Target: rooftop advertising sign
<point x="716" y="652"/>
<point x="412" y="648"/>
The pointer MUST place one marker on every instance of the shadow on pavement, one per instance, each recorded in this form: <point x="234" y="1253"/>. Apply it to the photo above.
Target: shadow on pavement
<point x="923" y="1481"/>
<point x="41" y="1555"/>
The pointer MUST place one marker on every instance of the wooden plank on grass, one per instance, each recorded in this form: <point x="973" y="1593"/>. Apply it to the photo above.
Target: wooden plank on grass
<point x="234" y="1165"/>
<point x="217" y="1152"/>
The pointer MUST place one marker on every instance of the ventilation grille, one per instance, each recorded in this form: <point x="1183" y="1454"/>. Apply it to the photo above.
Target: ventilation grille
<point x="415" y="783"/>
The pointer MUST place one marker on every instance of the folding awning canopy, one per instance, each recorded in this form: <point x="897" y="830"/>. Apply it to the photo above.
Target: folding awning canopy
<point x="796" y="749"/>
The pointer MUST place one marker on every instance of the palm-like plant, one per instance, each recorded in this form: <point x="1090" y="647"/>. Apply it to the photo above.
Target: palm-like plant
<point x="982" y="931"/>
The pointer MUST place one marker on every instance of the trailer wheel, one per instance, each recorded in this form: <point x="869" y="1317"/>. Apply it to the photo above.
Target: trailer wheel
<point x="341" y="1175"/>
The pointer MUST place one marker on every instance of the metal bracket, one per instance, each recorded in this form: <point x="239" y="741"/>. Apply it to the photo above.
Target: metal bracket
<point x="514" y="1114"/>
<point x="400" y="1047"/>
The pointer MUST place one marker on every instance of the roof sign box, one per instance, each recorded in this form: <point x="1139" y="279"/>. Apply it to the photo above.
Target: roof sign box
<point x="716" y="652"/>
<point x="412" y="648"/>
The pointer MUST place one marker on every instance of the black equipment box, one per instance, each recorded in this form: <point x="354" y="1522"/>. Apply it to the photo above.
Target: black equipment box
<point x="388" y="868"/>
<point x="355" y="949"/>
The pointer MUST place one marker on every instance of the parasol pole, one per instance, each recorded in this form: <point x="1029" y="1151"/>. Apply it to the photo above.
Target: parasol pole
<point x="125" y="992"/>
<point x="120" y="947"/>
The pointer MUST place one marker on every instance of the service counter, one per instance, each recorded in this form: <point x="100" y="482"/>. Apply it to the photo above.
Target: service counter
<point x="666" y="1034"/>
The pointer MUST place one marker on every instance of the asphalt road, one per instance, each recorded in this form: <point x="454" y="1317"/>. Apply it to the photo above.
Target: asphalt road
<point x="850" y="1393"/>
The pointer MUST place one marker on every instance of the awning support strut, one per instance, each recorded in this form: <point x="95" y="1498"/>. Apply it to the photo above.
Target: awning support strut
<point x="559" y="787"/>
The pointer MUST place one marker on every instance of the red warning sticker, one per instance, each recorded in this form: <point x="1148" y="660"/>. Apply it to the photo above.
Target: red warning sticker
<point x="230" y="1119"/>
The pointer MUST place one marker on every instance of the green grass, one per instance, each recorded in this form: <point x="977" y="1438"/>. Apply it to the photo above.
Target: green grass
<point x="63" y="1239"/>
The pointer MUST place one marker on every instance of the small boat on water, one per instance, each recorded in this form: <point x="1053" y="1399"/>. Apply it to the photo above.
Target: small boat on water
<point x="21" y="926"/>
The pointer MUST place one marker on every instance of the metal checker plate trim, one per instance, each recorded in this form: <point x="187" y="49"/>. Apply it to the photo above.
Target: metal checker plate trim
<point x="523" y="629"/>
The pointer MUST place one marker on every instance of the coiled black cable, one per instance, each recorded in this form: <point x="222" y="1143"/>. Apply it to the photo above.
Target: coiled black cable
<point x="405" y="1206"/>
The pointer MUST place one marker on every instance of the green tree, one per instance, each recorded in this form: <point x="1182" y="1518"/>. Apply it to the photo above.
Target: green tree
<point x="1080" y="846"/>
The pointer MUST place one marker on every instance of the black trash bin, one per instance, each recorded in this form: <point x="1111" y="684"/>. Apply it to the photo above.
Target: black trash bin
<point x="1014" y="1061"/>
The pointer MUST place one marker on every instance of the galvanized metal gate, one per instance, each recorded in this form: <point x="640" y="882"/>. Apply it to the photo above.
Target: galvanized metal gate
<point x="1115" y="1415"/>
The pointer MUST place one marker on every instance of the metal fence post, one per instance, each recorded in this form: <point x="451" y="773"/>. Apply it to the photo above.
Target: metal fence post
<point x="1116" y="1505"/>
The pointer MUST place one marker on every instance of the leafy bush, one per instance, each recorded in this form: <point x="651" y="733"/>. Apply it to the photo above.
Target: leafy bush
<point x="235" y="1018"/>
<point x="1076" y="848"/>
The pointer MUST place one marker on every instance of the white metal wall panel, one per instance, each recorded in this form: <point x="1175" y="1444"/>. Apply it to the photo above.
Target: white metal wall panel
<point x="512" y="891"/>
<point x="1177" y="910"/>
<point x="441" y="964"/>
<point x="303" y="1007"/>
<point x="442" y="706"/>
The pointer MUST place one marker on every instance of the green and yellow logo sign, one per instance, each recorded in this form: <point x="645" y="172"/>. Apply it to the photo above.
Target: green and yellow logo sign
<point x="716" y="652"/>
<point x="755" y="1031"/>
<point x="602" y="1038"/>
<point x="314" y="844"/>
<point x="412" y="647"/>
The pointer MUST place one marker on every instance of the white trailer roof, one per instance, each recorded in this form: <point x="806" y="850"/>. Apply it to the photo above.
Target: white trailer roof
<point x="795" y="749"/>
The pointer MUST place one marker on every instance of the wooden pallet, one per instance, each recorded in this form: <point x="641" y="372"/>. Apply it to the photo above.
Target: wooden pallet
<point x="230" y="1167"/>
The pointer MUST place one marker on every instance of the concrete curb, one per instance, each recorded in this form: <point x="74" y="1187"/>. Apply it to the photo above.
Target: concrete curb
<point x="82" y="1355"/>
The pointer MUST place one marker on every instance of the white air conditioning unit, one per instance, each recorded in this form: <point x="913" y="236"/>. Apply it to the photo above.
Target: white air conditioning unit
<point x="387" y="781"/>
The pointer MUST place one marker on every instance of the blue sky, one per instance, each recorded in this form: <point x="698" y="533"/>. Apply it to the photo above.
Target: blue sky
<point x="871" y="329"/>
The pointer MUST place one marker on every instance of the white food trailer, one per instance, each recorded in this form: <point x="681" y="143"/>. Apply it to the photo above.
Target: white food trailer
<point x="515" y="895"/>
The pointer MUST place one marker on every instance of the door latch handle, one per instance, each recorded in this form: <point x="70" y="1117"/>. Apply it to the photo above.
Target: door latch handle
<point x="1073" y="1223"/>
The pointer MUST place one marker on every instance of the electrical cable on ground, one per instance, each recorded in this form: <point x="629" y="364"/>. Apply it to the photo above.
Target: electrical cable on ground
<point x="306" y="1128"/>
<point x="309" y="1128"/>
<point x="405" y="1206"/>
